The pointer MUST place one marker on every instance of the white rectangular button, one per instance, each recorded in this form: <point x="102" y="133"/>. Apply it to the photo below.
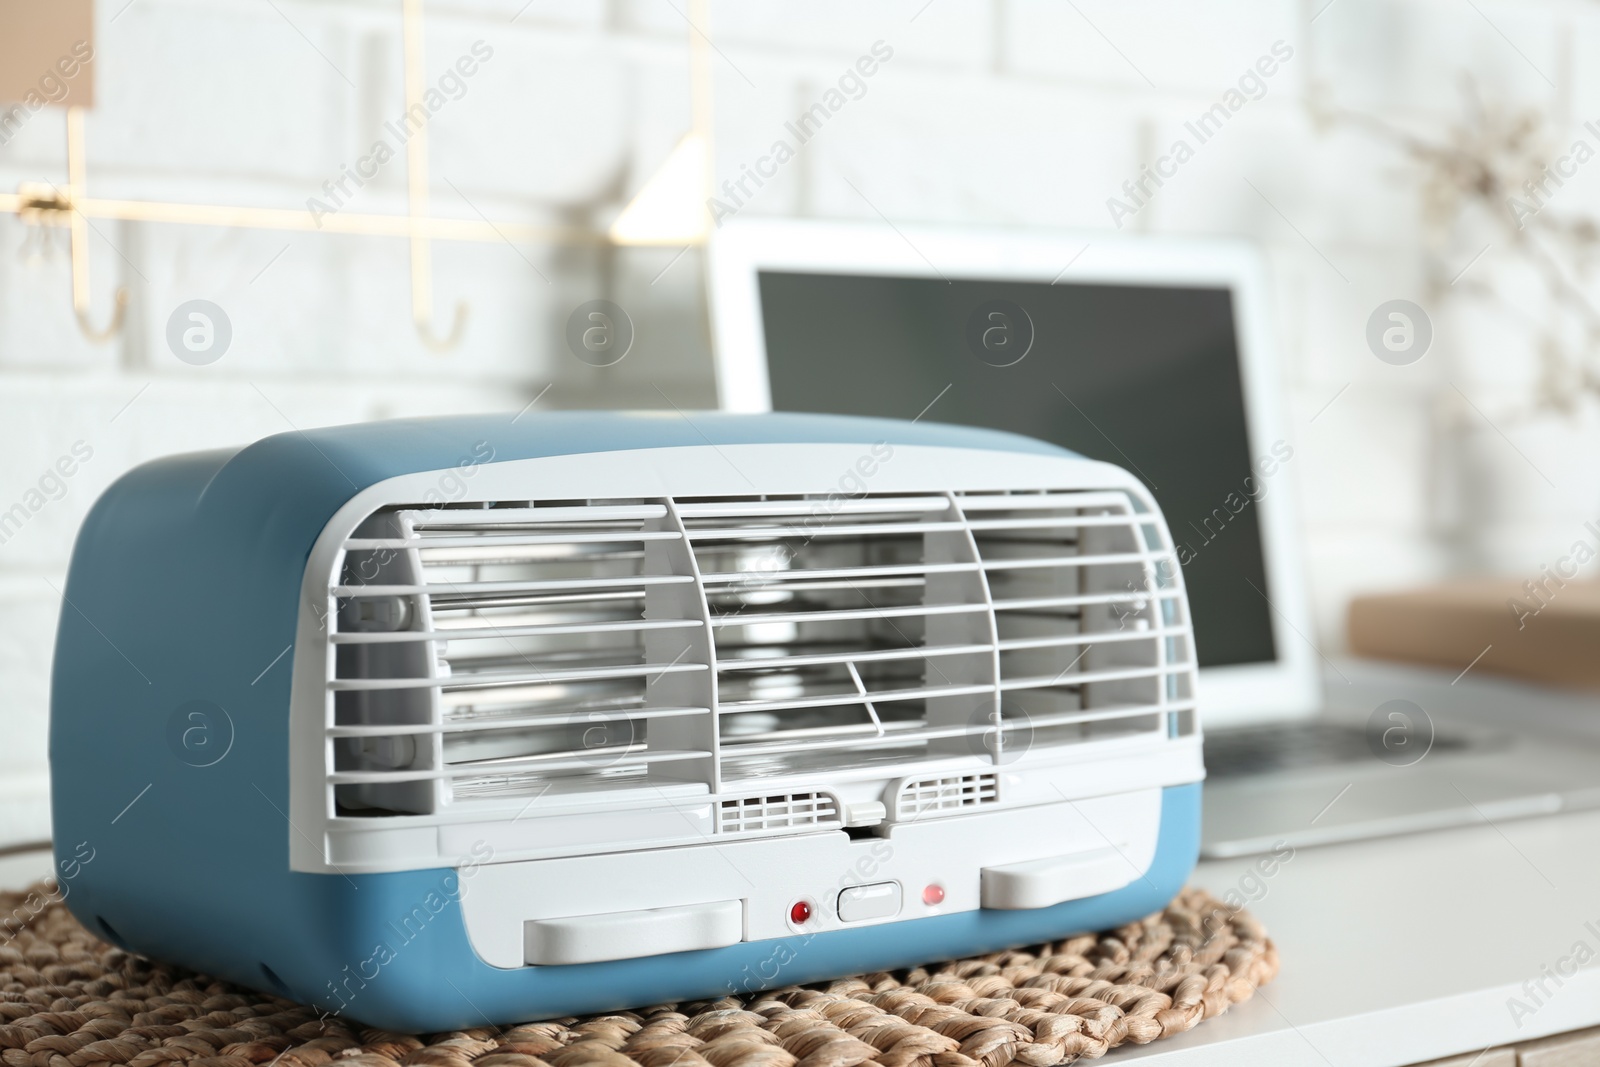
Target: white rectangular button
<point x="1041" y="883"/>
<point x="877" y="901"/>
<point x="621" y="935"/>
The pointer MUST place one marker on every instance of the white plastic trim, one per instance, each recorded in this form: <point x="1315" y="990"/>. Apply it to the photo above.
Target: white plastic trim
<point x="1045" y="882"/>
<point x="621" y="935"/>
<point x="771" y="874"/>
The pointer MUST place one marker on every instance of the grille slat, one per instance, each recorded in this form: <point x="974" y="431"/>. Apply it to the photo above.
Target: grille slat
<point x="850" y="614"/>
<point x="758" y="530"/>
<point x="1070" y="561"/>
<point x="531" y="539"/>
<point x="765" y="663"/>
<point x="1012" y="644"/>
<point x="1045" y="681"/>
<point x="505" y="722"/>
<point x="449" y="588"/>
<point x="426" y="519"/>
<point x="532" y="763"/>
<point x="551" y="676"/>
<point x="1074" y="500"/>
<point x="468" y="633"/>
<point x="912" y="570"/>
<point x="1088" y="600"/>
<point x="830" y="700"/>
<point x="742" y="508"/>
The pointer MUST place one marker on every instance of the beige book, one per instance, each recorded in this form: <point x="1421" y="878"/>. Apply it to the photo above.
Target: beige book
<point x="1544" y="631"/>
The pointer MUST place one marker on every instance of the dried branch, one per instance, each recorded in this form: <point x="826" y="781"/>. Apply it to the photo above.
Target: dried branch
<point x="1495" y="162"/>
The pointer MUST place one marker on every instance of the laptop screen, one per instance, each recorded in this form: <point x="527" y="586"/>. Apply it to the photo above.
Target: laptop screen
<point x="1145" y="377"/>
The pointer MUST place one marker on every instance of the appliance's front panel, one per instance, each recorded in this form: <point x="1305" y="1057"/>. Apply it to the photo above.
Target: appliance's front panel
<point x="587" y="672"/>
<point x="1009" y="858"/>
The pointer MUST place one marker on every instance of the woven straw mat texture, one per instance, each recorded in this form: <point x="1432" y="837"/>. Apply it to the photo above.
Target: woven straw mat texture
<point x="70" y="1000"/>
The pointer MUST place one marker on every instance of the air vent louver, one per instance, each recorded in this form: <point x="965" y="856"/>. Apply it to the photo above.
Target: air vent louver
<point x="512" y="649"/>
<point x="919" y="798"/>
<point x="494" y="654"/>
<point x="784" y="812"/>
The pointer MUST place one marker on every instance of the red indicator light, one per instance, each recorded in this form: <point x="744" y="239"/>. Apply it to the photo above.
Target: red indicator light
<point x="800" y="913"/>
<point x="933" y="894"/>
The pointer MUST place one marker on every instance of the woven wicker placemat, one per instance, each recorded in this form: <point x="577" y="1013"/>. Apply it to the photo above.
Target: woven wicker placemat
<point x="70" y="1000"/>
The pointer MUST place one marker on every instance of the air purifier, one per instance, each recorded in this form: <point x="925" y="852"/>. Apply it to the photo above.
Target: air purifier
<point x="435" y="722"/>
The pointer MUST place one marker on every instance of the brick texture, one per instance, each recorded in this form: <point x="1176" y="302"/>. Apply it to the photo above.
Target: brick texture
<point x="1009" y="112"/>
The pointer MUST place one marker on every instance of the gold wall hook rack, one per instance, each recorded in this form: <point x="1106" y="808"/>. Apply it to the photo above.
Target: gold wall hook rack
<point x="46" y="204"/>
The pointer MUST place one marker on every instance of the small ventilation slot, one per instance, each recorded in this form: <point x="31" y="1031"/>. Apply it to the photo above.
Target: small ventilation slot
<point x="921" y="797"/>
<point x="786" y="812"/>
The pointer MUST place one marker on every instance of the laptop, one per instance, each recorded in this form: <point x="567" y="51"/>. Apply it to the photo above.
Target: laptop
<point x="1157" y="355"/>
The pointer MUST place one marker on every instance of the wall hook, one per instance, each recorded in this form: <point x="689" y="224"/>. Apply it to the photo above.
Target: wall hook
<point x="79" y="230"/>
<point x="119" y="311"/>
<point x="422" y="311"/>
<point x="417" y="197"/>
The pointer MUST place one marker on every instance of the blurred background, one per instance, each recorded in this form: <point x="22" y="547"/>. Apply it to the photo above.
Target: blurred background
<point x="1420" y="150"/>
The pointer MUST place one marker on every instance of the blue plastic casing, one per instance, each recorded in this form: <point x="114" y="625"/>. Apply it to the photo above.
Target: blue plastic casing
<point x="183" y="586"/>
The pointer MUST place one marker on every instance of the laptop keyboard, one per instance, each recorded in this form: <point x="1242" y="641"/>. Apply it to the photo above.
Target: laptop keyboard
<point x="1293" y="746"/>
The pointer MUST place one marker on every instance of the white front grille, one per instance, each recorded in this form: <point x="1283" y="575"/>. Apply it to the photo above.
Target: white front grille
<point x="600" y="649"/>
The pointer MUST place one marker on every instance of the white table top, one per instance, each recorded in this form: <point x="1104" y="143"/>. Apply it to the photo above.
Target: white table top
<point x="1408" y="949"/>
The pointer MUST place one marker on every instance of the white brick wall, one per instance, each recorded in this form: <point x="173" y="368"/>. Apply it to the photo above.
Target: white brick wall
<point x="1018" y="112"/>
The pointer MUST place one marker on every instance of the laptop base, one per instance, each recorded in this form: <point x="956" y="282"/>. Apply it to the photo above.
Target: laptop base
<point x="1318" y="782"/>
